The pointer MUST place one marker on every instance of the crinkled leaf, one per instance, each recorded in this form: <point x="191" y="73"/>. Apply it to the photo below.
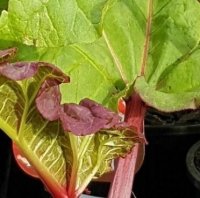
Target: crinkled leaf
<point x="59" y="158"/>
<point x="84" y="118"/>
<point x="19" y="71"/>
<point x="49" y="30"/>
<point x="165" y="50"/>
<point x="48" y="100"/>
<point x="103" y="147"/>
<point x="36" y="137"/>
<point x="91" y="156"/>
<point x="81" y="120"/>
<point x="88" y="57"/>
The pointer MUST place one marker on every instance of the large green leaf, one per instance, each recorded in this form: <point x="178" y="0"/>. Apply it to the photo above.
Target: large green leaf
<point x="49" y="30"/>
<point x="92" y="9"/>
<point x="156" y="38"/>
<point x="171" y="80"/>
<point x="82" y="57"/>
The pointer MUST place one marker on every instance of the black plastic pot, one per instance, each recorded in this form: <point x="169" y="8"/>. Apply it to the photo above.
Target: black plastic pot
<point x="164" y="172"/>
<point x="193" y="166"/>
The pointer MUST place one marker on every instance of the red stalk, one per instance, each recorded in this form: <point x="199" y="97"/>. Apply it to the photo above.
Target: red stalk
<point x="58" y="194"/>
<point x="124" y="175"/>
<point x="56" y="190"/>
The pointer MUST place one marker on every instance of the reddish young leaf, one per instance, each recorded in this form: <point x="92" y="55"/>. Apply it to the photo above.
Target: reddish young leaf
<point x="84" y="118"/>
<point x="80" y="120"/>
<point x="24" y="70"/>
<point x="48" y="100"/>
<point x="110" y="118"/>
<point x="87" y="117"/>
<point x="20" y="70"/>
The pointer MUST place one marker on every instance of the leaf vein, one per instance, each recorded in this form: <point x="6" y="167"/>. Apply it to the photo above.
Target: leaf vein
<point x="115" y="58"/>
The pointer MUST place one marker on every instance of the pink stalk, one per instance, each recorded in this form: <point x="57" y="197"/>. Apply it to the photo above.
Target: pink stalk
<point x="123" y="179"/>
<point x="56" y="190"/>
<point x="59" y="194"/>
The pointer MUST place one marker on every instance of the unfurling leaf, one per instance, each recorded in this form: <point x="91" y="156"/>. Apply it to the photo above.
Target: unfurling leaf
<point x="65" y="162"/>
<point x="48" y="100"/>
<point x="88" y="117"/>
<point x="84" y="118"/>
<point x="36" y="138"/>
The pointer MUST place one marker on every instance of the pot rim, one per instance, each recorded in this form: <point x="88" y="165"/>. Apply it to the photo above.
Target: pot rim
<point x="189" y="129"/>
<point x="193" y="172"/>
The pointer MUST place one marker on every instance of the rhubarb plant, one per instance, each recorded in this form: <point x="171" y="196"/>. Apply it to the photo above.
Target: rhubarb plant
<point x="146" y="51"/>
<point x="65" y="154"/>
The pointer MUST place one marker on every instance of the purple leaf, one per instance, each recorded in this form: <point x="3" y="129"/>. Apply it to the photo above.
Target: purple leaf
<point x="48" y="97"/>
<point x="86" y="118"/>
<point x="48" y="100"/>
<point x="80" y="120"/>
<point x="110" y="118"/>
<point x="20" y="70"/>
<point x="24" y="70"/>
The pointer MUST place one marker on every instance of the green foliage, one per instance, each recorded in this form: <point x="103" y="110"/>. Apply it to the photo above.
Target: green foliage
<point x="3" y="5"/>
<point x="106" y="47"/>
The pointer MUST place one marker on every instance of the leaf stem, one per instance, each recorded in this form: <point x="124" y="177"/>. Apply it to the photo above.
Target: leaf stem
<point x="147" y="37"/>
<point x="73" y="177"/>
<point x="115" y="58"/>
<point x="24" y="115"/>
<point x="84" y="144"/>
<point x="56" y="190"/>
<point x="124" y="175"/>
<point x="87" y="180"/>
<point x="90" y="176"/>
<point x="83" y="148"/>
